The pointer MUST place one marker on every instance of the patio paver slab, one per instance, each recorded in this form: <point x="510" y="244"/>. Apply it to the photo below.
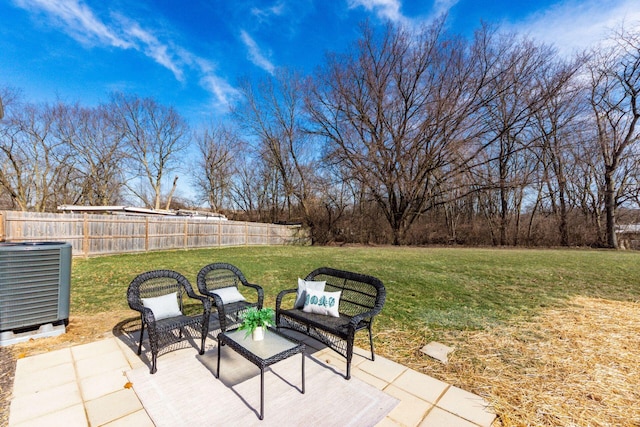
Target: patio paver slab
<point x="378" y="383"/>
<point x="90" y="350"/>
<point x="73" y="416"/>
<point x="102" y="384"/>
<point x="138" y="419"/>
<point x="102" y="362"/>
<point x="422" y="386"/>
<point x="440" y="417"/>
<point x="43" y="361"/>
<point x="112" y="407"/>
<point x="388" y="422"/>
<point x="44" y="402"/>
<point x="29" y="382"/>
<point x="411" y="409"/>
<point x="467" y="405"/>
<point x="382" y="368"/>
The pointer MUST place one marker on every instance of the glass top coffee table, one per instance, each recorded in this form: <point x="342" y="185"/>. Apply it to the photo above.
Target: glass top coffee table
<point x="274" y="348"/>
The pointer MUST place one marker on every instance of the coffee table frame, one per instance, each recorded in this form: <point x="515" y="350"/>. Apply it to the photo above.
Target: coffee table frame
<point x="274" y="348"/>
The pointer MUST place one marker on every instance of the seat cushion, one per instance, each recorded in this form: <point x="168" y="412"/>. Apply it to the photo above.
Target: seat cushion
<point x="334" y="325"/>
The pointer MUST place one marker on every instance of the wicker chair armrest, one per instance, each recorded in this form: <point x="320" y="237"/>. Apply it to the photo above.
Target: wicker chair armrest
<point x="145" y="312"/>
<point x="281" y="295"/>
<point x="217" y="305"/>
<point x="203" y="299"/>
<point x="377" y="308"/>
<point x="355" y="320"/>
<point x="259" y="290"/>
<point x="206" y="303"/>
<point x="214" y="299"/>
<point x="149" y="317"/>
<point x="137" y="306"/>
<point x="191" y="293"/>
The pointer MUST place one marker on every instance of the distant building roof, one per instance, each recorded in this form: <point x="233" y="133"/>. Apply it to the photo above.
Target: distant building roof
<point x="628" y="228"/>
<point x="130" y="210"/>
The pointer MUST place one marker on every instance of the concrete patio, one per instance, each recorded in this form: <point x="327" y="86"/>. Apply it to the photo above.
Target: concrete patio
<point x="86" y="385"/>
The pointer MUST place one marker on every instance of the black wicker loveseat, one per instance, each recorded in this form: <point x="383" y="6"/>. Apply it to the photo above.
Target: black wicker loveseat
<point x="361" y="298"/>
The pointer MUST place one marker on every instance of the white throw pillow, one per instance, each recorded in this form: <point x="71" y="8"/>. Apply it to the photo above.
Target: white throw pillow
<point x="303" y="285"/>
<point x="163" y="307"/>
<point x="229" y="295"/>
<point x="326" y="303"/>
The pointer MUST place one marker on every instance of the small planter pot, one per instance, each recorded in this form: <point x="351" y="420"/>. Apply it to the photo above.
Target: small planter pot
<point x="258" y="334"/>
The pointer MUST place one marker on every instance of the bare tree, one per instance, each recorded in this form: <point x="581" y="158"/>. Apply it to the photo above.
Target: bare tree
<point x="98" y="150"/>
<point x="254" y="188"/>
<point x="557" y="126"/>
<point x="399" y="113"/>
<point x="219" y="147"/>
<point x="514" y="96"/>
<point x="155" y="136"/>
<point x="614" y="75"/>
<point x="588" y="186"/>
<point x="273" y="117"/>
<point x="104" y="150"/>
<point x="11" y="99"/>
<point x="36" y="164"/>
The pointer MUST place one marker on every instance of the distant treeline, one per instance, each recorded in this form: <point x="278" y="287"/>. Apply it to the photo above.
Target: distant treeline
<point x="406" y="137"/>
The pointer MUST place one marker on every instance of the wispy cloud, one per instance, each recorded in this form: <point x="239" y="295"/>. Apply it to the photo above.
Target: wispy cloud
<point x="265" y="13"/>
<point x="384" y="9"/>
<point x="391" y="10"/>
<point x="224" y="94"/>
<point x="576" y="25"/>
<point x="80" y="22"/>
<point x="77" y="19"/>
<point x="255" y="54"/>
<point x="146" y="42"/>
<point x="442" y="6"/>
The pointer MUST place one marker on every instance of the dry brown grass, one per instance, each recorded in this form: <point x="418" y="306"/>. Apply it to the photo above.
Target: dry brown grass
<point x="578" y="365"/>
<point x="573" y="366"/>
<point x="7" y="364"/>
<point x="81" y="330"/>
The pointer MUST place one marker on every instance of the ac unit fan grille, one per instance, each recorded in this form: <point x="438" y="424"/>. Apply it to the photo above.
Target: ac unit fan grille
<point x="30" y="292"/>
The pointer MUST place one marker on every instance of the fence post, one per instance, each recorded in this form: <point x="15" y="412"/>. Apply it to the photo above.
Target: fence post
<point x="146" y="234"/>
<point x="268" y="234"/>
<point x="186" y="232"/>
<point x="85" y="235"/>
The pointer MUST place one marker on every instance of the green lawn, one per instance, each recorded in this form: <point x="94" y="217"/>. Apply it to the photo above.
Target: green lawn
<point x="531" y="328"/>
<point x="428" y="289"/>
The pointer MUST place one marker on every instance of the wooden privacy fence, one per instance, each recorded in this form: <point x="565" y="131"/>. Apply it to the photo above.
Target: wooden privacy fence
<point x="91" y="234"/>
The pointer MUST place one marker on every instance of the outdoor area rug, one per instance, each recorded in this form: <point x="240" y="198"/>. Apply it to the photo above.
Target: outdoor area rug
<point x="184" y="391"/>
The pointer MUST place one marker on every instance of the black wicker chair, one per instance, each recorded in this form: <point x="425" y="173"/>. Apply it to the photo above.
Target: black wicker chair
<point x="216" y="276"/>
<point x="362" y="298"/>
<point x="170" y="328"/>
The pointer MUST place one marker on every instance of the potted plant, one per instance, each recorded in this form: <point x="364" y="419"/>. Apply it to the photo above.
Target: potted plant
<point x="254" y="321"/>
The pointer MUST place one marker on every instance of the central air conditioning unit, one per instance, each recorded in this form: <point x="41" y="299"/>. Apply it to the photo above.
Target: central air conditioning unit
<point x="35" y="282"/>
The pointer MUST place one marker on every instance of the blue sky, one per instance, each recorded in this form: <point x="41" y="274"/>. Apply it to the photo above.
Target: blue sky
<point x="191" y="53"/>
